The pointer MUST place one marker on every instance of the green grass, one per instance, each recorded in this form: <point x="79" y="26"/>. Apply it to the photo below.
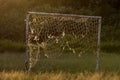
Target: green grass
<point x="110" y="47"/>
<point x="11" y="46"/>
<point x="68" y="63"/>
<point x="68" y="67"/>
<point x="12" y="61"/>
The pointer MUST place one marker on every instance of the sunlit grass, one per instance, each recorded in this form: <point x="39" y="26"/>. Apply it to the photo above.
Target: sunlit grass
<point x="58" y="76"/>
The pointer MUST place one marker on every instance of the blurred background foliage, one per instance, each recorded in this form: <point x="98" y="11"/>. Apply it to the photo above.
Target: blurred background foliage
<point x="13" y="13"/>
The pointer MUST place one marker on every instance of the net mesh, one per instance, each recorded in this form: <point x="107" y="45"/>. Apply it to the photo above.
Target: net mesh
<point x="56" y="35"/>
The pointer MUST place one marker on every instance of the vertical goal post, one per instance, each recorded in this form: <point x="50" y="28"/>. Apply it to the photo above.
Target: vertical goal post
<point x="53" y="32"/>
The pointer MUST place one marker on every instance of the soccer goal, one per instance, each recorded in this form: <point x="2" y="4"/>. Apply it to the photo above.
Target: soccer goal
<point x="55" y="34"/>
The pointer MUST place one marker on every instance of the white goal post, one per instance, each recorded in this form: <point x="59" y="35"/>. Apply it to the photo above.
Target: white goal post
<point x="51" y="33"/>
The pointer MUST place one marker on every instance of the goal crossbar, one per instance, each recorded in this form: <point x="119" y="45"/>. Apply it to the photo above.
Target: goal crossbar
<point x="58" y="14"/>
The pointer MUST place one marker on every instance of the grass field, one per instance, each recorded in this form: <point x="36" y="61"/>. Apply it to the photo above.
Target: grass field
<point x="58" y="76"/>
<point x="66" y="68"/>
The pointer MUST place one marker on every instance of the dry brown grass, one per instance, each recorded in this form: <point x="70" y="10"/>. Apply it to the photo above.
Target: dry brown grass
<point x="58" y="76"/>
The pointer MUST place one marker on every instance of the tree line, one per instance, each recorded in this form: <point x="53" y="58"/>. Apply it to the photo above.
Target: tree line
<point x="13" y="12"/>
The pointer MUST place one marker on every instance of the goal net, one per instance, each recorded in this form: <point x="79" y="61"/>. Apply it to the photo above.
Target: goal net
<point x="52" y="35"/>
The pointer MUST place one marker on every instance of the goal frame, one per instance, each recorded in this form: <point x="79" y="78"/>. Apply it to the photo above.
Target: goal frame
<point x="59" y="14"/>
